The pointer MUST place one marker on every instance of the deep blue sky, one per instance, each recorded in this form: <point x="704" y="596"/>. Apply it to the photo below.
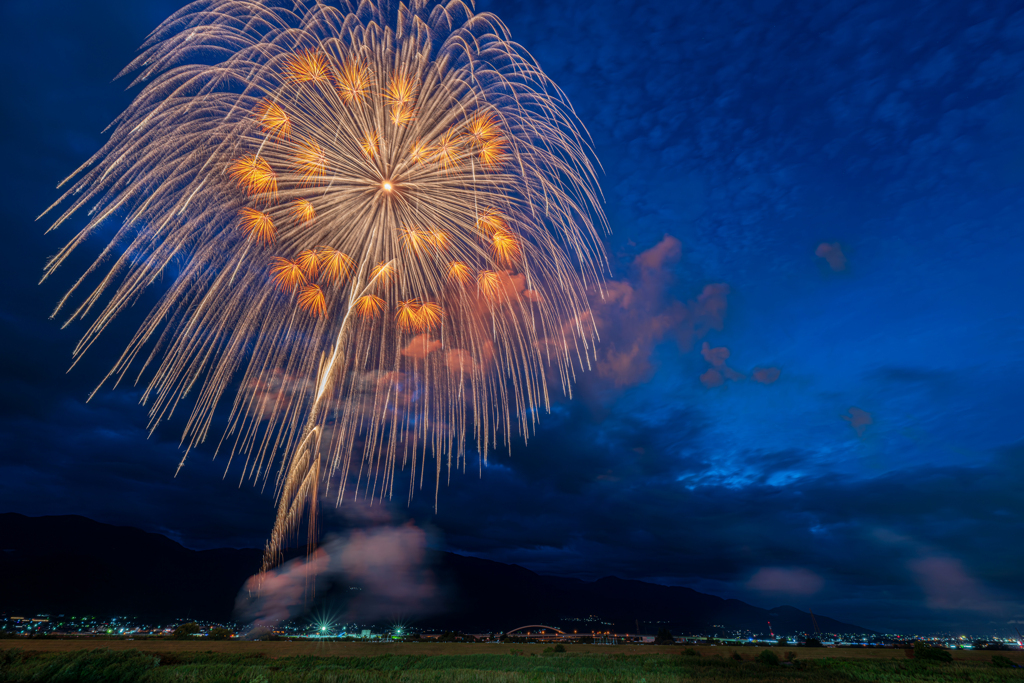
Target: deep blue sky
<point x="878" y="479"/>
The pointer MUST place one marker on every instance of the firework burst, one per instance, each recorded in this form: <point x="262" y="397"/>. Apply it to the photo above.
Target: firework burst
<point x="386" y="210"/>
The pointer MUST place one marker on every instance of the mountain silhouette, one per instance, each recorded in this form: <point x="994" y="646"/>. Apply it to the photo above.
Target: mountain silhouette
<point x="76" y="566"/>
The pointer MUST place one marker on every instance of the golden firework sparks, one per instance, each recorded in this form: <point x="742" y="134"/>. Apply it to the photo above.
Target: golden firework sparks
<point x="459" y="272"/>
<point x="287" y="274"/>
<point x="254" y="174"/>
<point x="335" y="266"/>
<point x="386" y="135"/>
<point x="273" y="118"/>
<point x="303" y="210"/>
<point x="421" y="152"/>
<point x="309" y="261"/>
<point x="370" y="144"/>
<point x="505" y="248"/>
<point x="257" y="225"/>
<point x="307" y="66"/>
<point x="353" y="81"/>
<point x="310" y="161"/>
<point x="369" y="306"/>
<point x="312" y="300"/>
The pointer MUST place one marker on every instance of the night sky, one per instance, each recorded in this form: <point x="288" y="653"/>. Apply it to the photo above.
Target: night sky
<point x="810" y="384"/>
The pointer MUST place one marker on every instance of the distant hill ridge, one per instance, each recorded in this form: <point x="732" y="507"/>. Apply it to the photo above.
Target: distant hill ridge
<point x="75" y="565"/>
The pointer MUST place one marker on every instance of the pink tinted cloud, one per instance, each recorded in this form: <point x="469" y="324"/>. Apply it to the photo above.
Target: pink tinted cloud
<point x="858" y="419"/>
<point x="668" y="250"/>
<point x="766" y="375"/>
<point x="634" y="316"/>
<point x="792" y="581"/>
<point x="833" y="253"/>
<point x="947" y="585"/>
<point x="712" y="378"/>
<point x="421" y="346"/>
<point x="715" y="357"/>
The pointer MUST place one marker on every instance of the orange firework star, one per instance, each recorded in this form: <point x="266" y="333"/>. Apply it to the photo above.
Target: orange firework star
<point x="489" y="283"/>
<point x="312" y="300"/>
<point x="309" y="261"/>
<point x="310" y="161"/>
<point x="459" y="272"/>
<point x="407" y="314"/>
<point x="336" y="266"/>
<point x="286" y="273"/>
<point x="369" y="306"/>
<point x="273" y="118"/>
<point x="257" y="225"/>
<point x="447" y="152"/>
<point x="307" y="67"/>
<point x="255" y="175"/>
<point x="421" y="152"/>
<point x="504" y="247"/>
<point x="303" y="210"/>
<point x="384" y="271"/>
<point x="482" y="128"/>
<point x="370" y="144"/>
<point x="492" y="153"/>
<point x="353" y="81"/>
<point x="491" y="222"/>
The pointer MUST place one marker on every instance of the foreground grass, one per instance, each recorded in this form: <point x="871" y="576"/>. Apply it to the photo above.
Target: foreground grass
<point x="129" y="666"/>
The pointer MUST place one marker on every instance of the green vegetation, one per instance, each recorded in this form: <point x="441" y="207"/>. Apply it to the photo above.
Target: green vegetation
<point x="103" y="666"/>
<point x="925" y="651"/>
<point x="185" y="631"/>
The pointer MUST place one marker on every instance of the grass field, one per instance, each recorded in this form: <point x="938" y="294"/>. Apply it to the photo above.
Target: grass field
<point x="77" y="661"/>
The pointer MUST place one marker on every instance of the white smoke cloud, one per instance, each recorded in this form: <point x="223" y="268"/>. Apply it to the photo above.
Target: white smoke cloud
<point x="386" y="562"/>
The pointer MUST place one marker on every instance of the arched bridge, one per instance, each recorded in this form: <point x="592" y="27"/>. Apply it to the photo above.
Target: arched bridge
<point x="529" y="626"/>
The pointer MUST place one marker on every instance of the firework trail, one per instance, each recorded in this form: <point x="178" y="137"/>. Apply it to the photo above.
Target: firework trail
<point x="379" y="220"/>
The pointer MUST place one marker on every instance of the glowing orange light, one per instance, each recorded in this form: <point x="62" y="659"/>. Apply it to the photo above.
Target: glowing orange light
<point x="335" y="265"/>
<point x="310" y="161"/>
<point x="447" y="152"/>
<point x="309" y="261"/>
<point x="406" y="314"/>
<point x="492" y="153"/>
<point x="273" y="118"/>
<point x="429" y="316"/>
<point x="287" y="274"/>
<point x="459" y="272"/>
<point x="490" y="222"/>
<point x="370" y="144"/>
<point x="421" y="152"/>
<point x="400" y="92"/>
<point x="369" y="306"/>
<point x="307" y="67"/>
<point x="438" y="239"/>
<point x="312" y="300"/>
<point x="303" y="210"/>
<point x="401" y="115"/>
<point x="254" y="174"/>
<point x="415" y="240"/>
<point x="482" y="128"/>
<point x="257" y="225"/>
<point x="384" y="271"/>
<point x="353" y="81"/>
<point x="387" y="186"/>
<point x="489" y="283"/>
<point x="504" y="247"/>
